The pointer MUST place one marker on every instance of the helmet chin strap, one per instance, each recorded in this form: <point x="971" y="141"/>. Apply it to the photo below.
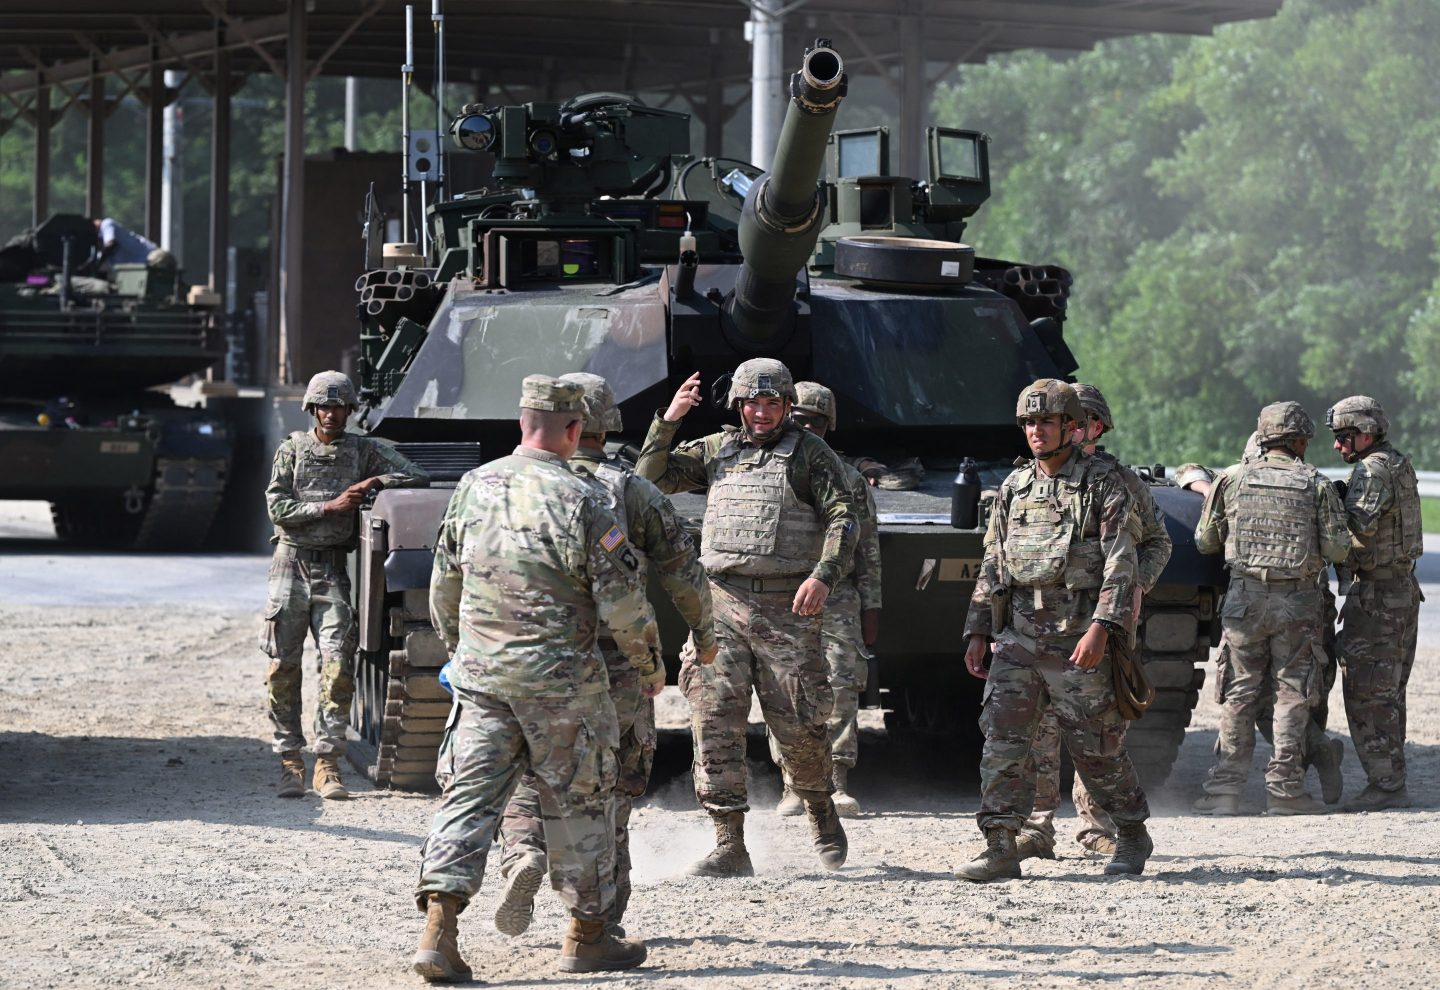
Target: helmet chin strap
<point x="1045" y="455"/>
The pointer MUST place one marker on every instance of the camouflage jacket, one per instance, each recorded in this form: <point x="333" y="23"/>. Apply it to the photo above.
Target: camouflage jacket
<point x="816" y="476"/>
<point x="1153" y="544"/>
<point x="1382" y="508"/>
<point x="528" y="563"/>
<point x="866" y="571"/>
<point x="307" y="473"/>
<point x="1068" y="543"/>
<point x="658" y="534"/>
<point x="1215" y="534"/>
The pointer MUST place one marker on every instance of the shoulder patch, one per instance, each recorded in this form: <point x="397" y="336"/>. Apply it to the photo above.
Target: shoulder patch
<point x="612" y="539"/>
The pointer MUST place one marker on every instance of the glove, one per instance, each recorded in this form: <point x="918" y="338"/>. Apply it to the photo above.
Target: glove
<point x="1342" y="488"/>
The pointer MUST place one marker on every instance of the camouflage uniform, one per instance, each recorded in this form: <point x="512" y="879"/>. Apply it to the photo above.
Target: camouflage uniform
<point x="528" y="565"/>
<point x="778" y="512"/>
<point x="1380" y="620"/>
<point x="657" y="534"/>
<point x="1277" y="521"/>
<point x="1152" y="550"/>
<point x="308" y="589"/>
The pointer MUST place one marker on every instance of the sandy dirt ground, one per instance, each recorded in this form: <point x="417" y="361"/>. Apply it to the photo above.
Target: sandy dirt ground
<point x="140" y="844"/>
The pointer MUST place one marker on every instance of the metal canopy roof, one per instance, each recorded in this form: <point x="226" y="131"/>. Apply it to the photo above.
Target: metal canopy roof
<point x="540" y="47"/>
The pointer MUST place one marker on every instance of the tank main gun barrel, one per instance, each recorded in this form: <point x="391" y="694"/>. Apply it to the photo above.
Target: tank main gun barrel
<point x="783" y="211"/>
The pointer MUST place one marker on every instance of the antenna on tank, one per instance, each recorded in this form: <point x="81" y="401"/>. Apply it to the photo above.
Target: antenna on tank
<point x="407" y="73"/>
<point x="437" y="20"/>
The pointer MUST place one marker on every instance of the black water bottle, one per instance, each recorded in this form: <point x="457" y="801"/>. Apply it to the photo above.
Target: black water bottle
<point x="965" y="496"/>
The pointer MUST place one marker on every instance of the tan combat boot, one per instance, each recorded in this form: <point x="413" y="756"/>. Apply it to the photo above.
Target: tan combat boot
<point x="845" y="805"/>
<point x="1327" y="762"/>
<point x="589" y="948"/>
<point x="729" y="858"/>
<point x="790" y="804"/>
<point x="826" y="832"/>
<point x="517" y="905"/>
<point x="437" y="958"/>
<point x="1373" y="798"/>
<point x="1034" y="845"/>
<point x="1219" y="805"/>
<point x="292" y="775"/>
<point x="1303" y="804"/>
<point x="999" y="861"/>
<point x="1133" y="847"/>
<point x="327" y="781"/>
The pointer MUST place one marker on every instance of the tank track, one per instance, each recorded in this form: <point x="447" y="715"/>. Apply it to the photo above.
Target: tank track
<point x="183" y="506"/>
<point x="1174" y="642"/>
<point x="399" y="708"/>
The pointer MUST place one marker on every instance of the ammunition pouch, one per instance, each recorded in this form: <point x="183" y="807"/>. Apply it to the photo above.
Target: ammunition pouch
<point x="999" y="609"/>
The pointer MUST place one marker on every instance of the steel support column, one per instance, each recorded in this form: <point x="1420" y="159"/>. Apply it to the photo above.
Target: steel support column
<point x="154" y="150"/>
<point x="292" y="196"/>
<point x="714" y="112"/>
<point x="95" y="146"/>
<point x="41" y="202"/>
<point x="767" y="78"/>
<point x="913" y="95"/>
<point x="220" y="176"/>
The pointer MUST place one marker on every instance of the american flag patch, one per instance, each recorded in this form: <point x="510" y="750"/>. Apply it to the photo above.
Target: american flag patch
<point x="612" y="539"/>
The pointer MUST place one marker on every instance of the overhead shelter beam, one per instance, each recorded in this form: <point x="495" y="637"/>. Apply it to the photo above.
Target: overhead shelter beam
<point x="95" y="146"/>
<point x="293" y="197"/>
<point x="40" y="206"/>
<point x="154" y="149"/>
<point x="220" y="171"/>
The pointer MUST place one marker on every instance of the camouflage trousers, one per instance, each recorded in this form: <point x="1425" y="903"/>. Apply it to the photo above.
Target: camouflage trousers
<point x="1024" y="681"/>
<point x="768" y="648"/>
<point x="1376" y="648"/>
<point x="1046" y="756"/>
<point x="1274" y="638"/>
<point x="568" y="745"/>
<point x="522" y="832"/>
<point x="308" y="597"/>
<point x="847" y="668"/>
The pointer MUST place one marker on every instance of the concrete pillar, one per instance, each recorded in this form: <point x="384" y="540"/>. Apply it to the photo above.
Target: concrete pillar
<point x="95" y="145"/>
<point x="913" y="96"/>
<point x="767" y="78"/>
<point x="292" y="198"/>
<point x="41" y="202"/>
<point x="220" y="175"/>
<point x="352" y="110"/>
<point x="154" y="151"/>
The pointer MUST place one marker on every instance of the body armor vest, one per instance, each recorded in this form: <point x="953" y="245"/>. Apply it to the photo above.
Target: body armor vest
<point x="322" y="472"/>
<point x="1399" y="537"/>
<point x="1270" y="516"/>
<point x="755" y="525"/>
<point x="1052" y="536"/>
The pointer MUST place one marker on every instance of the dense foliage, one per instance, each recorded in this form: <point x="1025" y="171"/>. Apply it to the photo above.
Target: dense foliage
<point x="1250" y="217"/>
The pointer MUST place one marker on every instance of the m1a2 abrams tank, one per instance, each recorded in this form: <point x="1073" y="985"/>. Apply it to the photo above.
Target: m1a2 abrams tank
<point x="603" y="247"/>
<point x="80" y="424"/>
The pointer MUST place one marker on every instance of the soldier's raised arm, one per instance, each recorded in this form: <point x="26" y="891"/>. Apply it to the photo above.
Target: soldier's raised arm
<point x="386" y="467"/>
<point x="681" y="469"/>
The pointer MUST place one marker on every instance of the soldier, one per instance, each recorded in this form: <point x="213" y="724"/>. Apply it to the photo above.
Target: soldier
<point x="780" y="528"/>
<point x="850" y="623"/>
<point x="1277" y="521"/>
<point x="1058" y="580"/>
<point x="656" y="534"/>
<point x="1323" y="753"/>
<point x="528" y="564"/>
<point x="1379" y="623"/>
<point x="1152" y="549"/>
<point x="319" y="479"/>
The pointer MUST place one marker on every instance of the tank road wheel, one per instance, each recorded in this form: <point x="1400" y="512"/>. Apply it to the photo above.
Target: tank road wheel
<point x="1174" y="642"/>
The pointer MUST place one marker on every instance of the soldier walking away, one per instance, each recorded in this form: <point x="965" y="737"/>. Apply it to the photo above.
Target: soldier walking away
<point x="850" y="623"/>
<point x="1376" y="644"/>
<point x="529" y="563"/>
<point x="1277" y="520"/>
<point x="1152" y="550"/>
<point x="1057" y="581"/>
<point x="658" y="537"/>
<point x="780" y="528"/>
<point x="319" y="480"/>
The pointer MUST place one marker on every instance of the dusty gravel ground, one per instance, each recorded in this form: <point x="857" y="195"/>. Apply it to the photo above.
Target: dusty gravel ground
<point x="140" y="844"/>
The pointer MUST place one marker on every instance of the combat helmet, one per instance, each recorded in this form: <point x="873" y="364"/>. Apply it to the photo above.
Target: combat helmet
<point x="1049" y="397"/>
<point x="1360" y="413"/>
<point x="329" y="388"/>
<point x="761" y="376"/>
<point x="602" y="415"/>
<point x="1281" y="421"/>
<point x="817" y="400"/>
<point x="1092" y="400"/>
